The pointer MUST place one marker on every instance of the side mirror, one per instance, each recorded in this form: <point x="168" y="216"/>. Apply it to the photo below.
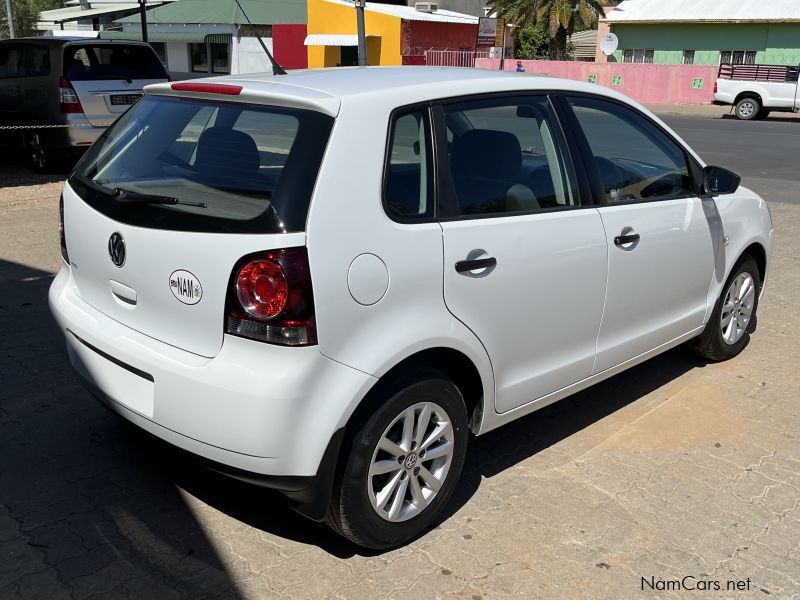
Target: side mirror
<point x="717" y="180"/>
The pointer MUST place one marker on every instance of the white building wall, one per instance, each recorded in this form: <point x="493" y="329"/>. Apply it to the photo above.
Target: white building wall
<point x="177" y="57"/>
<point x="251" y="57"/>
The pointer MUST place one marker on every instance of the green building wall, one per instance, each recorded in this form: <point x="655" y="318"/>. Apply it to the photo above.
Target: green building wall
<point x="774" y="43"/>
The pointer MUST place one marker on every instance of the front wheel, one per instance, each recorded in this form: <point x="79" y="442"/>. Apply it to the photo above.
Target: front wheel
<point x="734" y="317"/>
<point x="747" y="109"/>
<point x="40" y="153"/>
<point x="403" y="463"/>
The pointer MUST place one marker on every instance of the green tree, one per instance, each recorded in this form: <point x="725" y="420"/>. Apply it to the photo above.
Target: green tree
<point x="532" y="42"/>
<point x="25" y="14"/>
<point x="558" y="18"/>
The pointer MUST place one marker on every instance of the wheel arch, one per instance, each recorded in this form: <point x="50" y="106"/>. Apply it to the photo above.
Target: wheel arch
<point x="749" y="94"/>
<point x="759" y="254"/>
<point x="452" y="363"/>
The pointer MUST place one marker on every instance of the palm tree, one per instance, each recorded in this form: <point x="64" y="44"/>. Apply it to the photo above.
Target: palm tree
<point x="559" y="17"/>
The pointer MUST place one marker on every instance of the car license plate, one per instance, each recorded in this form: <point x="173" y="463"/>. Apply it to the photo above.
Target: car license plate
<point x="119" y="99"/>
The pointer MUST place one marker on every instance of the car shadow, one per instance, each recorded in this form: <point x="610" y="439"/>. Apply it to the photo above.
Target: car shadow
<point x="85" y="507"/>
<point x="772" y="118"/>
<point x="16" y="170"/>
<point x="131" y="486"/>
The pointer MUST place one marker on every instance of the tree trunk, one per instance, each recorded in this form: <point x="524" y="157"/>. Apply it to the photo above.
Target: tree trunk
<point x="558" y="45"/>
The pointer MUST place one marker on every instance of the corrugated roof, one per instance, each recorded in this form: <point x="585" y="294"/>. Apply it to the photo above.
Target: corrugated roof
<point x="585" y="43"/>
<point x="409" y="13"/>
<point x="692" y="11"/>
<point x="261" y="12"/>
<point x="73" y="13"/>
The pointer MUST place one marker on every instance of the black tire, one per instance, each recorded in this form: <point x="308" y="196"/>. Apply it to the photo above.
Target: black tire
<point x="762" y="114"/>
<point x="41" y="155"/>
<point x="710" y="345"/>
<point x="747" y="108"/>
<point x="351" y="513"/>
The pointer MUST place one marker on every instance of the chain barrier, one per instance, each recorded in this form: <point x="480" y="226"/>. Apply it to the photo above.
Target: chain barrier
<point x="57" y="126"/>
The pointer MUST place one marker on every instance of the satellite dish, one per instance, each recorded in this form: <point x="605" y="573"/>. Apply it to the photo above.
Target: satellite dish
<point x="609" y="43"/>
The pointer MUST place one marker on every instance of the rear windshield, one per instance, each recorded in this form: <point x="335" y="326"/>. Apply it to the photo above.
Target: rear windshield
<point x="195" y="165"/>
<point x="87" y="62"/>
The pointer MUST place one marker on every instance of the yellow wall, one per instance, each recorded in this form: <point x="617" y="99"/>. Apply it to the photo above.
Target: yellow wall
<point x="327" y="17"/>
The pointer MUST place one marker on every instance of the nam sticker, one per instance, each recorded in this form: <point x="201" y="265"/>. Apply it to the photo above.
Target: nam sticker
<point x="185" y="287"/>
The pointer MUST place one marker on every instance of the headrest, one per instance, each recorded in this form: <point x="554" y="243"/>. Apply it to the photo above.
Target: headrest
<point x="487" y="153"/>
<point x="227" y="151"/>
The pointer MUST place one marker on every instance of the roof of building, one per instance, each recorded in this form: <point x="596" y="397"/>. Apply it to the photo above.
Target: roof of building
<point x="260" y="12"/>
<point x="74" y="13"/>
<point x="409" y="13"/>
<point x="711" y="11"/>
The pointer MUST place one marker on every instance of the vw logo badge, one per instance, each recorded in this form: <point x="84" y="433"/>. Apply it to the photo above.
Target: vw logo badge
<point x="116" y="249"/>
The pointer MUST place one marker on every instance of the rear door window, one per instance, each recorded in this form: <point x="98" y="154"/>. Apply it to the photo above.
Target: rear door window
<point x="10" y="60"/>
<point x="196" y="165"/>
<point x="36" y="61"/>
<point x="87" y="62"/>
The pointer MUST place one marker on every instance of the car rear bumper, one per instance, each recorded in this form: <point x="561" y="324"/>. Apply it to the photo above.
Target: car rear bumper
<point x="266" y="413"/>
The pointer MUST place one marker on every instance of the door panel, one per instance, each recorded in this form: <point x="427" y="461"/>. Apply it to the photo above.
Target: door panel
<point x="657" y="287"/>
<point x="524" y="264"/>
<point x="660" y="246"/>
<point x="538" y="310"/>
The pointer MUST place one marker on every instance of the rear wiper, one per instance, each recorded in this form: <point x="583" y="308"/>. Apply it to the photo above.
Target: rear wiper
<point x="124" y="196"/>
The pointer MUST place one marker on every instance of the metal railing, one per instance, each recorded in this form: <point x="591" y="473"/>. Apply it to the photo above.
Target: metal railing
<point x="455" y="58"/>
<point x="771" y="73"/>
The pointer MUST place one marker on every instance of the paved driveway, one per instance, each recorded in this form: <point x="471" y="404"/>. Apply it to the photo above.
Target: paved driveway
<point x="672" y="469"/>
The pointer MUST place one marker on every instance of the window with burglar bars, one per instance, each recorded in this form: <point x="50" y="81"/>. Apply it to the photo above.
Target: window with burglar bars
<point x="688" y="57"/>
<point x="737" y="57"/>
<point x="637" y="55"/>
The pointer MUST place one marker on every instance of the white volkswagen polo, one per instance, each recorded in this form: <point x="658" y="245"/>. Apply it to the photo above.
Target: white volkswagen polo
<point x="324" y="281"/>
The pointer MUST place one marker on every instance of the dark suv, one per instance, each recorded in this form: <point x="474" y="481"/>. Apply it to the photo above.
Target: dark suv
<point x="79" y="85"/>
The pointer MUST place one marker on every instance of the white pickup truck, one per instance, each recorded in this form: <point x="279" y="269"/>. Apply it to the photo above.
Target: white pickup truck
<point x="755" y="90"/>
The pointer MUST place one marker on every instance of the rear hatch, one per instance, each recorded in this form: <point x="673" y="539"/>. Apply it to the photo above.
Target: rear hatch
<point x="173" y="195"/>
<point x="109" y="77"/>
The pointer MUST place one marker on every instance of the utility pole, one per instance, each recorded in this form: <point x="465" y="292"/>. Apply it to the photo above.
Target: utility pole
<point x="362" y="36"/>
<point x="143" y="15"/>
<point x="10" y="19"/>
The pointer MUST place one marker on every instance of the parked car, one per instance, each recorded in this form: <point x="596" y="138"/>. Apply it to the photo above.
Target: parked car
<point x="755" y="90"/>
<point x="74" y="87"/>
<point x="324" y="281"/>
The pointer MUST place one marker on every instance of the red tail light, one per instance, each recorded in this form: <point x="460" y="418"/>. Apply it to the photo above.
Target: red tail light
<point x="715" y="87"/>
<point x="64" y="253"/>
<point x="271" y="300"/>
<point x="68" y="99"/>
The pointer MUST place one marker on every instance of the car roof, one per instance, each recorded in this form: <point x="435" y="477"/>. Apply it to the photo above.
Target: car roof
<point x="64" y="40"/>
<point x="326" y="89"/>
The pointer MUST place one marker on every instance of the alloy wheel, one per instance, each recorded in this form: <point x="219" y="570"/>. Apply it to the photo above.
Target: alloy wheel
<point x="410" y="462"/>
<point x="737" y="309"/>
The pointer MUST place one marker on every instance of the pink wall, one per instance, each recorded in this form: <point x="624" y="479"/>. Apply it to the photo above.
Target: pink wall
<point x="603" y="27"/>
<point x="648" y="84"/>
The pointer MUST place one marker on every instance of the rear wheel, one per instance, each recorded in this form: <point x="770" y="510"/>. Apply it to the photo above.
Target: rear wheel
<point x="747" y="109"/>
<point x="734" y="317"/>
<point x="403" y="463"/>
